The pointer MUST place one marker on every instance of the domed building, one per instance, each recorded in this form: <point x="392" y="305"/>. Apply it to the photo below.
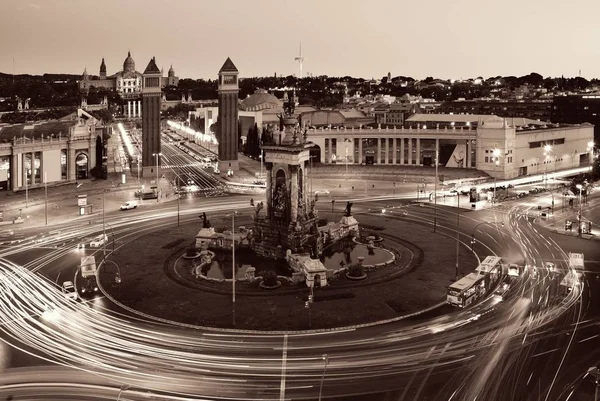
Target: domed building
<point x="127" y="83"/>
<point x="261" y="100"/>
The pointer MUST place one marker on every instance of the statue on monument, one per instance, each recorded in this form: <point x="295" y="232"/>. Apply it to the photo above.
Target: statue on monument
<point x="205" y="222"/>
<point x="348" y="211"/>
<point x="280" y="200"/>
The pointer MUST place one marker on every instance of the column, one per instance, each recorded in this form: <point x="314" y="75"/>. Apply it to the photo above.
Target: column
<point x="410" y="151"/>
<point x="329" y="147"/>
<point x="401" y="150"/>
<point x="387" y="150"/>
<point x="139" y="108"/>
<point x="437" y="151"/>
<point x="32" y="168"/>
<point x="24" y="169"/>
<point x="269" y="168"/>
<point x="71" y="173"/>
<point x="14" y="172"/>
<point x="378" y="150"/>
<point x="468" y="153"/>
<point x="394" y="161"/>
<point x="129" y="109"/>
<point x="294" y="193"/>
<point x="418" y="152"/>
<point x="42" y="167"/>
<point x="360" y="151"/>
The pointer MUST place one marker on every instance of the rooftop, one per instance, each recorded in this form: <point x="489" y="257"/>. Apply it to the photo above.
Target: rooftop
<point x="35" y="130"/>
<point x="474" y="118"/>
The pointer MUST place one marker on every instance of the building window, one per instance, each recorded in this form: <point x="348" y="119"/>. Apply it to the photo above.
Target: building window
<point x="487" y="159"/>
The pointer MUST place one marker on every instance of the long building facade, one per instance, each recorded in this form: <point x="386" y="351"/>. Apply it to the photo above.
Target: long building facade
<point x="59" y="151"/>
<point x="523" y="149"/>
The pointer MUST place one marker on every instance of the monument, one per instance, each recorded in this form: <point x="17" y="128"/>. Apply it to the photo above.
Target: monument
<point x="151" y="99"/>
<point x="228" y="90"/>
<point x="291" y="218"/>
<point x="288" y="228"/>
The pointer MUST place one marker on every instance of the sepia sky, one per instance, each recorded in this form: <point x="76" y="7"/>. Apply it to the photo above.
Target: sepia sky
<point x="439" y="38"/>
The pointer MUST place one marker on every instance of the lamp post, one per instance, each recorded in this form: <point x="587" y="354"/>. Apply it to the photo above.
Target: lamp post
<point x="457" y="232"/>
<point x="233" y="264"/>
<point x="326" y="362"/>
<point x="547" y="150"/>
<point x="473" y="242"/>
<point x="103" y="226"/>
<point x="138" y="168"/>
<point x="437" y="152"/>
<point x="580" y="188"/>
<point x="26" y="188"/>
<point x="590" y="148"/>
<point x="157" y="155"/>
<point x="262" y="158"/>
<point x="346" y="161"/>
<point x="496" y="154"/>
<point x="46" y="196"/>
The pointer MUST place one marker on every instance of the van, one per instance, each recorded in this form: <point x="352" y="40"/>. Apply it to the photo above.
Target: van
<point x="129" y="205"/>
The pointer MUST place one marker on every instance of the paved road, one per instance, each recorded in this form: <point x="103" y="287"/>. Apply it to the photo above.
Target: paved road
<point x="424" y="360"/>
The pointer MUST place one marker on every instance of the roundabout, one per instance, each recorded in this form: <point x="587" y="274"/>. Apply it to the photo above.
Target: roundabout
<point x="161" y="281"/>
<point x="116" y="348"/>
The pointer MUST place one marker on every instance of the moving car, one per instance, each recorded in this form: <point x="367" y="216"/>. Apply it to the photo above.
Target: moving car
<point x="99" y="241"/>
<point x="129" y="205"/>
<point x="500" y="292"/>
<point x="69" y="291"/>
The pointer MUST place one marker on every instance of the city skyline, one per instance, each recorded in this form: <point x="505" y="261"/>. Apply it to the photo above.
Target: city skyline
<point x="360" y="39"/>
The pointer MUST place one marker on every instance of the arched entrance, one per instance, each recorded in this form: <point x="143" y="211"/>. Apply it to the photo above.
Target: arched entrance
<point x="315" y="154"/>
<point x="317" y="281"/>
<point x="81" y="166"/>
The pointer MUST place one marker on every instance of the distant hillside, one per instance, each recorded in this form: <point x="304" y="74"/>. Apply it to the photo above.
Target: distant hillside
<point x="38" y="78"/>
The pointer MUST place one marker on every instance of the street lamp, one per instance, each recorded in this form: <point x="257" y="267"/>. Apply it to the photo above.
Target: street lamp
<point x="580" y="188"/>
<point x="547" y="150"/>
<point x="46" y="196"/>
<point x="437" y="152"/>
<point x="233" y="263"/>
<point x="590" y="148"/>
<point x="473" y="241"/>
<point x="457" y="232"/>
<point x="326" y="362"/>
<point x="157" y="155"/>
<point x="496" y="154"/>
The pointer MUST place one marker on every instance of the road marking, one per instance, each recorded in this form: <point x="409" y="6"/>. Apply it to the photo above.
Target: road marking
<point x="283" y="362"/>
<point x="589" y="338"/>
<point x="546" y="352"/>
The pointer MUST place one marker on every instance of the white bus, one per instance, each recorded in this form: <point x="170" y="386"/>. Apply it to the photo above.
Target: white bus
<point x="466" y="290"/>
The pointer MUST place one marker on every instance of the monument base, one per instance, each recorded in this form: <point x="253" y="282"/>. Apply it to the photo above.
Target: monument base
<point x="149" y="173"/>
<point x="226" y="165"/>
<point x="272" y="240"/>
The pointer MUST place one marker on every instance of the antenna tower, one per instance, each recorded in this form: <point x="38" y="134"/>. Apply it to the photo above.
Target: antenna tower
<point x="300" y="60"/>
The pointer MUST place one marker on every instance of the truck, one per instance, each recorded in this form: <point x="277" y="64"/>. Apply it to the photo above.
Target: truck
<point x="88" y="270"/>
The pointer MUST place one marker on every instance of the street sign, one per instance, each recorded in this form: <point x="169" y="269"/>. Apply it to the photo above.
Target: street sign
<point x="81" y="200"/>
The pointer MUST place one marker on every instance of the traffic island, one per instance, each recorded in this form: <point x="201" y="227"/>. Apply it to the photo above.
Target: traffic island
<point x="151" y="285"/>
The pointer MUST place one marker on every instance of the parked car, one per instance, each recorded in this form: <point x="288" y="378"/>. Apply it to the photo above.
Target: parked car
<point x="129" y="205"/>
<point x="69" y="291"/>
<point x="18" y="220"/>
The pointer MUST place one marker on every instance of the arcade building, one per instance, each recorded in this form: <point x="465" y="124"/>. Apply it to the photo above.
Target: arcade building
<point x="63" y="150"/>
<point x="502" y="147"/>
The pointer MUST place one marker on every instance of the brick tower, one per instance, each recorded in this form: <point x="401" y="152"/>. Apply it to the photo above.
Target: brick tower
<point x="228" y="117"/>
<point x="151" y="99"/>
